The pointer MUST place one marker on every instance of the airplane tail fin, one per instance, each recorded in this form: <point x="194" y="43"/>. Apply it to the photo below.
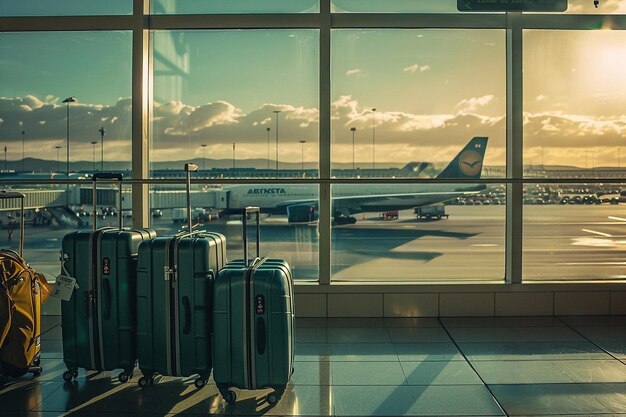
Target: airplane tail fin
<point x="468" y="163"/>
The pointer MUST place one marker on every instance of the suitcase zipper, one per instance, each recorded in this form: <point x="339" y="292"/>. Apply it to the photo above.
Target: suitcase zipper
<point x="168" y="272"/>
<point x="176" y="328"/>
<point x="89" y="301"/>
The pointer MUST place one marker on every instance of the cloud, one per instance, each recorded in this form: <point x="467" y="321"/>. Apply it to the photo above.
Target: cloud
<point x="472" y="104"/>
<point x="355" y="71"/>
<point x="416" y="68"/>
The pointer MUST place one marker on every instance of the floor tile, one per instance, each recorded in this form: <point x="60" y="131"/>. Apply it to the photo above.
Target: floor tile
<point x="372" y="401"/>
<point x="603" y="332"/>
<point x="52" y="349"/>
<point x="427" y="351"/>
<point x="547" y="399"/>
<point x="356" y="335"/>
<point x="612" y="396"/>
<point x="24" y="394"/>
<point x="309" y="322"/>
<point x="412" y="322"/>
<point x="312" y="352"/>
<point x="522" y="372"/>
<point x="616" y="348"/>
<point x="594" y="320"/>
<point x="367" y="373"/>
<point x="464" y="400"/>
<point x="53" y="333"/>
<point x="514" y="334"/>
<point x="418" y="334"/>
<point x="311" y="373"/>
<point x="595" y="371"/>
<point x="505" y="351"/>
<point x="364" y="352"/>
<point x="311" y="334"/>
<point x="355" y="322"/>
<point x="450" y="322"/>
<point x="440" y="373"/>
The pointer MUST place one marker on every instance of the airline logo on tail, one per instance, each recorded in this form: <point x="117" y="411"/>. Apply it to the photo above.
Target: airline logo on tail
<point x="469" y="162"/>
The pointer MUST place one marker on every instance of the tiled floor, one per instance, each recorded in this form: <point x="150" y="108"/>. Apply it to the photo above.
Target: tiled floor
<point x="458" y="366"/>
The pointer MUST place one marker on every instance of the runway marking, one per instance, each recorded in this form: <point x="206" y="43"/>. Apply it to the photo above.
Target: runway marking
<point x="597" y="233"/>
<point x="621" y="219"/>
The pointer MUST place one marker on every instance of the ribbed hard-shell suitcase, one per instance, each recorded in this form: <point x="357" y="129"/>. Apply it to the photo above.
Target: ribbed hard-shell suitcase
<point x="99" y="321"/>
<point x="174" y="300"/>
<point x="253" y="324"/>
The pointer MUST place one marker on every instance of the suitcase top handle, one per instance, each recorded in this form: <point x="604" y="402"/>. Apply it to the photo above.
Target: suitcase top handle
<point x="14" y="194"/>
<point x="107" y="176"/>
<point x="257" y="212"/>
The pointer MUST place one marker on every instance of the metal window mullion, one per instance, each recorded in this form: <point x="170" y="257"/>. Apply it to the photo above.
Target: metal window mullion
<point x="66" y="23"/>
<point x="514" y="150"/>
<point x="324" y="239"/>
<point x="573" y="22"/>
<point x="141" y="87"/>
<point x="235" y="21"/>
<point x="417" y="21"/>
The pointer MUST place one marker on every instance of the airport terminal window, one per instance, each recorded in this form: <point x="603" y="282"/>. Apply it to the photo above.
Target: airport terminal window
<point x="65" y="7"/>
<point x="575" y="232"/>
<point x="239" y="103"/>
<point x="408" y="110"/>
<point x="291" y="235"/>
<point x="234" y="6"/>
<point x="574" y="93"/>
<point x="39" y="72"/>
<point x="459" y="241"/>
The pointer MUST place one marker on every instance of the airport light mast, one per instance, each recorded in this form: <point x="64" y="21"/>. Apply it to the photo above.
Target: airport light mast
<point x="353" y="130"/>
<point x="101" y="130"/>
<point x="268" y="148"/>
<point x="67" y="170"/>
<point x="302" y="142"/>
<point x="94" y="143"/>
<point x="276" y="113"/>
<point x="374" y="138"/>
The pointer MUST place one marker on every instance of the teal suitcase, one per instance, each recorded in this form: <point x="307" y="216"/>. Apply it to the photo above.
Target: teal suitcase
<point x="174" y="300"/>
<point x="175" y="278"/>
<point x="253" y="325"/>
<point x="98" y="323"/>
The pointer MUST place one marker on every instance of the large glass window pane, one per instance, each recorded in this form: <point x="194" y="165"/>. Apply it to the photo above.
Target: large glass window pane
<point x="65" y="7"/>
<point x="574" y="96"/>
<point x="38" y="72"/>
<point x="239" y="103"/>
<point x="234" y="6"/>
<point x="574" y="232"/>
<point x="288" y="233"/>
<point x="409" y="100"/>
<point x="414" y="236"/>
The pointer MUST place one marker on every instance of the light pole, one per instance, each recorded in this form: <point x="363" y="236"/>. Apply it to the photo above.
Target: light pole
<point x="94" y="143"/>
<point x="233" y="155"/>
<point x="373" y="138"/>
<point x="67" y="144"/>
<point x="302" y="142"/>
<point x="276" y="113"/>
<point x="5" y="158"/>
<point x="101" y="130"/>
<point x="268" y="148"/>
<point x="58" y="148"/>
<point x="203" y="149"/>
<point x="353" y="130"/>
<point x="23" y="135"/>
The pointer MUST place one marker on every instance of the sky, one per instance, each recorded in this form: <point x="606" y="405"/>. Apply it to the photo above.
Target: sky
<point x="432" y="89"/>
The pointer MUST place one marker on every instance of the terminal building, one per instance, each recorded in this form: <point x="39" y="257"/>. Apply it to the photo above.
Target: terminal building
<point x="344" y="121"/>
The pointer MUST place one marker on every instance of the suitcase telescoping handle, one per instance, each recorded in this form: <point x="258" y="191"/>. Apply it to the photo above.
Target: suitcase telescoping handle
<point x="189" y="168"/>
<point x="6" y="195"/>
<point x="108" y="176"/>
<point x="246" y="212"/>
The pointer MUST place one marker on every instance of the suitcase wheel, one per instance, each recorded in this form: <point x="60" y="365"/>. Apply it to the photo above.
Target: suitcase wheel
<point x="123" y="377"/>
<point x="144" y="382"/>
<point x="272" y="399"/>
<point x="230" y="397"/>
<point x="69" y="375"/>
<point x="199" y="383"/>
<point x="36" y="370"/>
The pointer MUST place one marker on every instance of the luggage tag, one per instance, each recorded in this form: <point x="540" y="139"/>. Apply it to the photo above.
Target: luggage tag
<point x="64" y="285"/>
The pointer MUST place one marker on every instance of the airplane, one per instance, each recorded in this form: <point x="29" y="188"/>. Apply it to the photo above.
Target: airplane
<point x="300" y="202"/>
